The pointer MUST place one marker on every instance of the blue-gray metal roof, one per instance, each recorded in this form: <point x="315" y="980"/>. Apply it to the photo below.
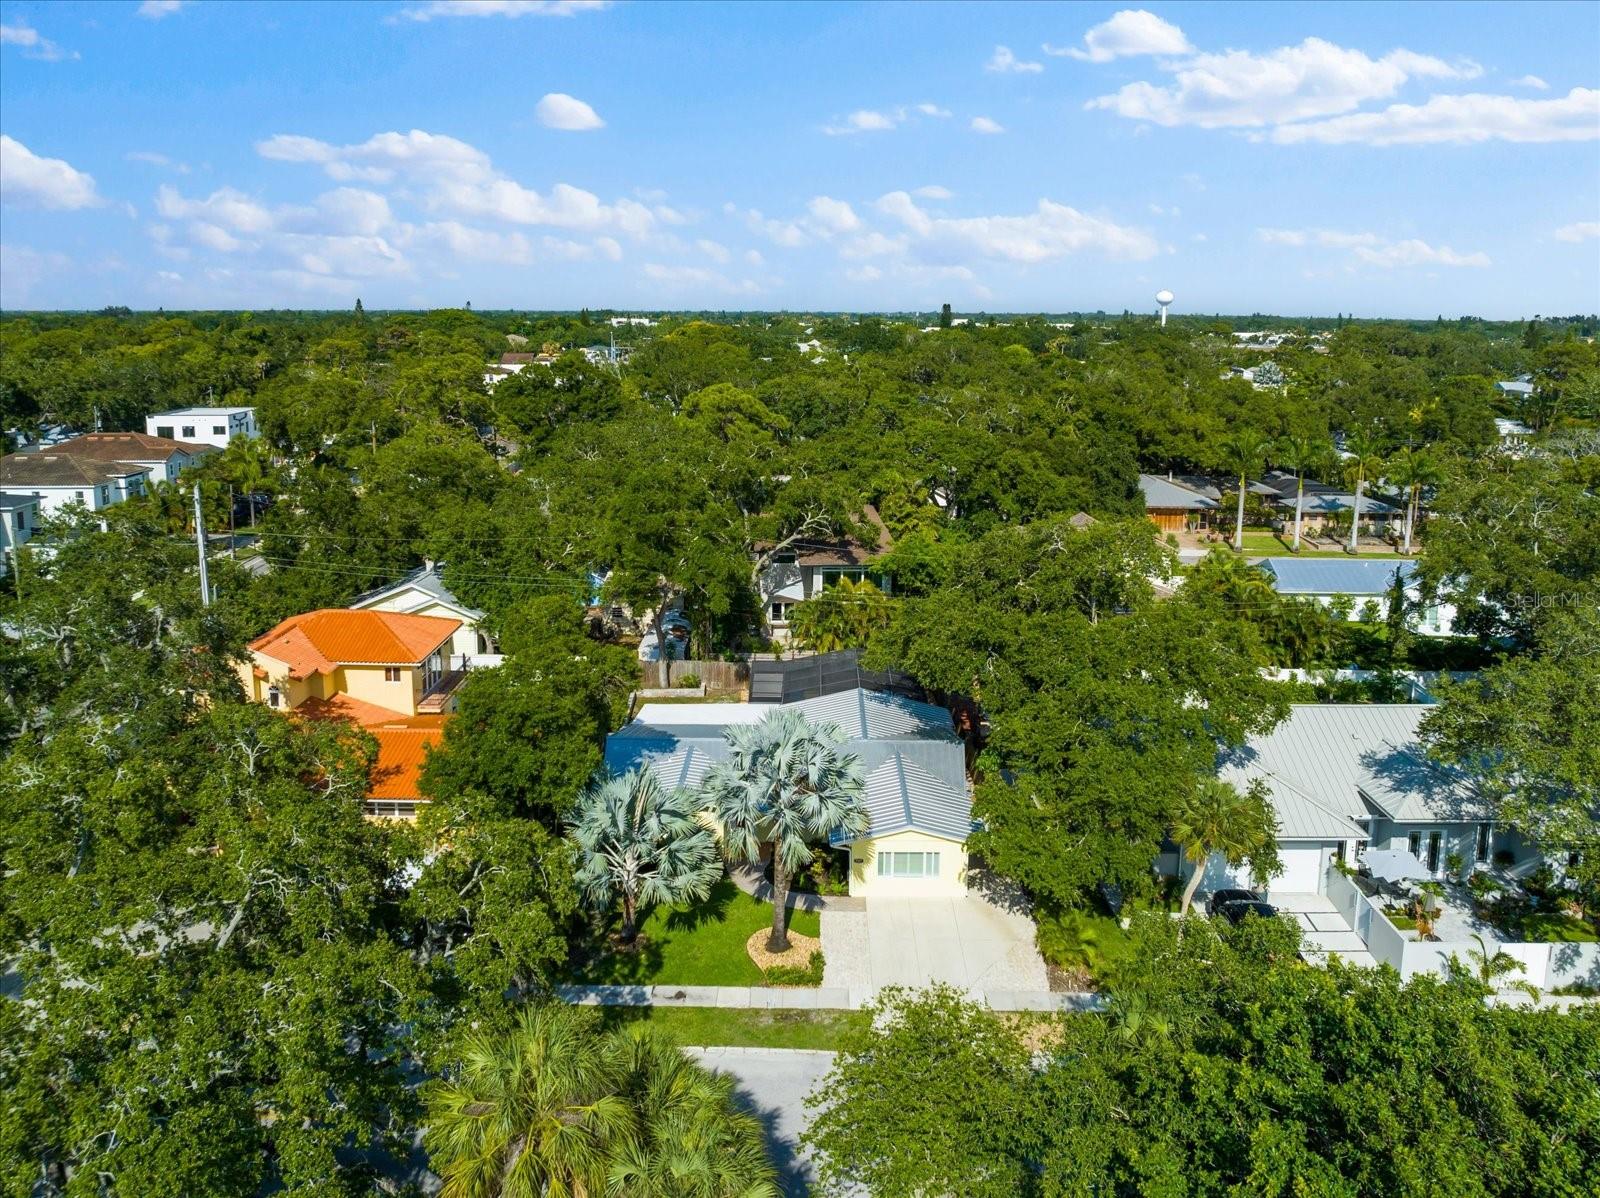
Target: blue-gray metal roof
<point x="1335" y="576"/>
<point x="901" y="796"/>
<point x="1159" y="493"/>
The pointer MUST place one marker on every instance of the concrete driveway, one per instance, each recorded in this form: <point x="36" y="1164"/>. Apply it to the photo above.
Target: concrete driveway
<point x="967" y="942"/>
<point x="773" y="1084"/>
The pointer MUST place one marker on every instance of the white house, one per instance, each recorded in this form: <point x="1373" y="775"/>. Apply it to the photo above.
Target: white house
<point x="807" y="568"/>
<point x="57" y="480"/>
<point x="1362" y="581"/>
<point x="912" y="763"/>
<point x="207" y="426"/>
<point x="165" y="459"/>
<point x="423" y="593"/>
<point x="19" y="519"/>
<point x="1346" y="777"/>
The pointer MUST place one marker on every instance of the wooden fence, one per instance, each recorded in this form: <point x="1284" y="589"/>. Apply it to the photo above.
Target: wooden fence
<point x="714" y="675"/>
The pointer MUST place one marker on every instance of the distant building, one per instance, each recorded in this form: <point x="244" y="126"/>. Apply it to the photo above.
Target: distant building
<point x="206" y="426"/>
<point x="807" y="568"/>
<point x="1517" y="390"/>
<point x="1362" y="581"/>
<point x="58" y="480"/>
<point x="1175" y="506"/>
<point x="423" y="593"/>
<point x="165" y="459"/>
<point x="19" y="519"/>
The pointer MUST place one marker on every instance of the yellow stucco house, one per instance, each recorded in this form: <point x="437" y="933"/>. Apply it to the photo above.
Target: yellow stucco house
<point x="912" y="762"/>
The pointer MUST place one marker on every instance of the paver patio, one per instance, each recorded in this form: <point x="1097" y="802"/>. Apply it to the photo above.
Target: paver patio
<point x="1324" y="931"/>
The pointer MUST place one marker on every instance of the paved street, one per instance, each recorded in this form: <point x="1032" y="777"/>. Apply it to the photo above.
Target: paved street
<point x="781" y="1077"/>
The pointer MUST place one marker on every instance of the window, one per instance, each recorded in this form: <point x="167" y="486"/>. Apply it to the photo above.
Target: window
<point x="164" y="430"/>
<point x="105" y="494"/>
<point x="908" y="865"/>
<point x="1414" y="843"/>
<point x="1433" y="851"/>
<point x="188" y="432"/>
<point x="21" y="518"/>
<point x="780" y="613"/>
<point x="219" y="429"/>
<point x="274" y="697"/>
<point x="391" y="808"/>
<point x="1482" y="853"/>
<point x="1338" y="853"/>
<point x="391" y="673"/>
<point x="832" y="575"/>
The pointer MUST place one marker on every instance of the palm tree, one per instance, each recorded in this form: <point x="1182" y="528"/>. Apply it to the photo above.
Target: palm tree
<point x="1216" y="818"/>
<point x="542" y="1112"/>
<point x="695" y="1141"/>
<point x="1246" y="452"/>
<point x="843" y="616"/>
<point x="642" y="842"/>
<point x="1411" y="470"/>
<point x="1299" y="454"/>
<point x="1362" y="447"/>
<point x="247" y="464"/>
<point x="1491" y="966"/>
<point x="785" y="781"/>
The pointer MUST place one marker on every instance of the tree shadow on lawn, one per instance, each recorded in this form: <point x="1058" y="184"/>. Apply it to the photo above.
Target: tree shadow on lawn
<point x="713" y="910"/>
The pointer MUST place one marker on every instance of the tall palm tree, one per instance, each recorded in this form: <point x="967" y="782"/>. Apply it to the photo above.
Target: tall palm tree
<point x="1299" y="454"/>
<point x="1362" y="446"/>
<point x="1411" y="470"/>
<point x="785" y="781"/>
<point x="844" y="616"/>
<point x="541" y="1112"/>
<point x="247" y="464"/>
<point x="695" y="1142"/>
<point x="642" y="842"/>
<point x="1245" y="453"/>
<point x="1217" y="818"/>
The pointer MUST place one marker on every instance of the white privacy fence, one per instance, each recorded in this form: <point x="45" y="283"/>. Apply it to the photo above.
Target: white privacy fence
<point x="1546" y="965"/>
<point x="1419" y="683"/>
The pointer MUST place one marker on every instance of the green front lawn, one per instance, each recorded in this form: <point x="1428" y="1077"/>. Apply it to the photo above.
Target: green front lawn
<point x="702" y="1027"/>
<point x="1556" y="927"/>
<point x="1258" y="543"/>
<point x="701" y="945"/>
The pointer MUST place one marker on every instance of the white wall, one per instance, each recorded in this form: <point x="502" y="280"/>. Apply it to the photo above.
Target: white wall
<point x="204" y="422"/>
<point x="951" y="879"/>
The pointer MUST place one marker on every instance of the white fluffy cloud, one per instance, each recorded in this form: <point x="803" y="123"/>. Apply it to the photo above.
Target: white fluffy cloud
<point x="501" y="8"/>
<point x="686" y="277"/>
<point x="1050" y="231"/>
<point x="1127" y="34"/>
<point x="1004" y="62"/>
<point x="933" y="192"/>
<point x="1533" y="81"/>
<point x="1583" y="230"/>
<point x="833" y="216"/>
<point x="151" y="158"/>
<point x="34" y="44"/>
<point x="983" y="124"/>
<point x="1371" y="250"/>
<point x="882" y="120"/>
<point x="1238" y="89"/>
<point x="155" y="10"/>
<point x="455" y="177"/>
<point x="560" y="111"/>
<point x="29" y="180"/>
<point x="1459" y="119"/>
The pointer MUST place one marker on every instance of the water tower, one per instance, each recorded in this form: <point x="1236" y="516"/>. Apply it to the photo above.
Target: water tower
<point x="1164" y="301"/>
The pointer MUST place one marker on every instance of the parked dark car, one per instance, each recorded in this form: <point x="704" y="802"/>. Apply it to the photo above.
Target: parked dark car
<point x="1216" y="901"/>
<point x="1236" y="911"/>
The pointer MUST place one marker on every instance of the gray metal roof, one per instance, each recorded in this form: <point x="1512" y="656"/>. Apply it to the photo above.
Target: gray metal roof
<point x="1159" y="493"/>
<point x="882" y="731"/>
<point x="1331" y="764"/>
<point x="902" y="796"/>
<point x="426" y="579"/>
<point x="1335" y="576"/>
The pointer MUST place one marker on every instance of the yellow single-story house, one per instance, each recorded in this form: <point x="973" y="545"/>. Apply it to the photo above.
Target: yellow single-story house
<point x="915" y="846"/>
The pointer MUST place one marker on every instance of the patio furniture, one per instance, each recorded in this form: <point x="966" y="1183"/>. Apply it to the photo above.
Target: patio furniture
<point x="1394" y="865"/>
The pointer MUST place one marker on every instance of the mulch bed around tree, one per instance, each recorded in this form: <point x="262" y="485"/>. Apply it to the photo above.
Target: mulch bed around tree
<point x="798" y="956"/>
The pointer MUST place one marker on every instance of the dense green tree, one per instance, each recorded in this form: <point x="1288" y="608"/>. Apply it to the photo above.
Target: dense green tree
<point x="1217" y="819"/>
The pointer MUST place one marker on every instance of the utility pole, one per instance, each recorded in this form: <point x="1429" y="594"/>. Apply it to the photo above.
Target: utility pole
<point x="200" y="544"/>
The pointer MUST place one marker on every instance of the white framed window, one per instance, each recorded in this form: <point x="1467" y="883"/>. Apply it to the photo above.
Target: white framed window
<point x="164" y="430"/>
<point x="780" y="612"/>
<point x="188" y="431"/>
<point x="219" y="429"/>
<point x="1482" y="853"/>
<point x="274" y="697"/>
<point x="908" y="865"/>
<point x="1414" y="843"/>
<point x="391" y="673"/>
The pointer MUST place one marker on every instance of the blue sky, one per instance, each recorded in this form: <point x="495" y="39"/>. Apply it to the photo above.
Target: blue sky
<point x="1380" y="159"/>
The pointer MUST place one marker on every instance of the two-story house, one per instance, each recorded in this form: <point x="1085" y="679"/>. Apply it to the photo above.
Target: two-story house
<point x="208" y="426"/>
<point x="805" y="569"/>
<point x="162" y="457"/>
<point x="58" y="480"/>
<point x="423" y="593"/>
<point x="19" y="517"/>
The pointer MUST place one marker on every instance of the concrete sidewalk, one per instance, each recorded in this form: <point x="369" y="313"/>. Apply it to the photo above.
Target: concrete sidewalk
<point x="799" y="998"/>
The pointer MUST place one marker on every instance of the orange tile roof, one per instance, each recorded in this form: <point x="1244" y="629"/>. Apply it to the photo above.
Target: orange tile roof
<point x="316" y="642"/>
<point x="401" y="754"/>
<point x="346" y="707"/>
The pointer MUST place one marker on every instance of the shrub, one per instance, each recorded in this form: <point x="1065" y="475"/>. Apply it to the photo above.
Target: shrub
<point x="689" y="681"/>
<point x="1172" y="539"/>
<point x="809" y="974"/>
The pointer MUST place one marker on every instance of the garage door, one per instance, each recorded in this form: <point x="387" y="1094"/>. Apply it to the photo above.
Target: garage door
<point x="1302" y="871"/>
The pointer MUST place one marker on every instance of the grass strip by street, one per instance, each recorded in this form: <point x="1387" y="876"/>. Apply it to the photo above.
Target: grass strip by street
<point x="720" y="1027"/>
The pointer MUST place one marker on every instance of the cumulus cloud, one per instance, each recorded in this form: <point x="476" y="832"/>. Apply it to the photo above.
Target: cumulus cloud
<point x="1583" y="230"/>
<point x="882" y="120"/>
<point x="928" y="108"/>
<point x="686" y="277"/>
<point x="982" y="124"/>
<point x="1458" y="119"/>
<point x="833" y="216"/>
<point x="560" y="111"/>
<point x="1533" y="81"/>
<point x="27" y="179"/>
<point x="933" y="192"/>
<point x="1050" y="231"/>
<point x="501" y="8"/>
<point x="1004" y="62"/>
<point x="459" y="178"/>
<point x="34" y="44"/>
<point x="151" y="158"/>
<point x="1128" y="34"/>
<point x="1238" y="89"/>
<point x="714" y="250"/>
<point x="1372" y="250"/>
<point x="155" y="10"/>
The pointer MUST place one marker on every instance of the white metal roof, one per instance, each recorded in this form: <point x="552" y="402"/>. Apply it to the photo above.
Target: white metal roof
<point x="902" y="796"/>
